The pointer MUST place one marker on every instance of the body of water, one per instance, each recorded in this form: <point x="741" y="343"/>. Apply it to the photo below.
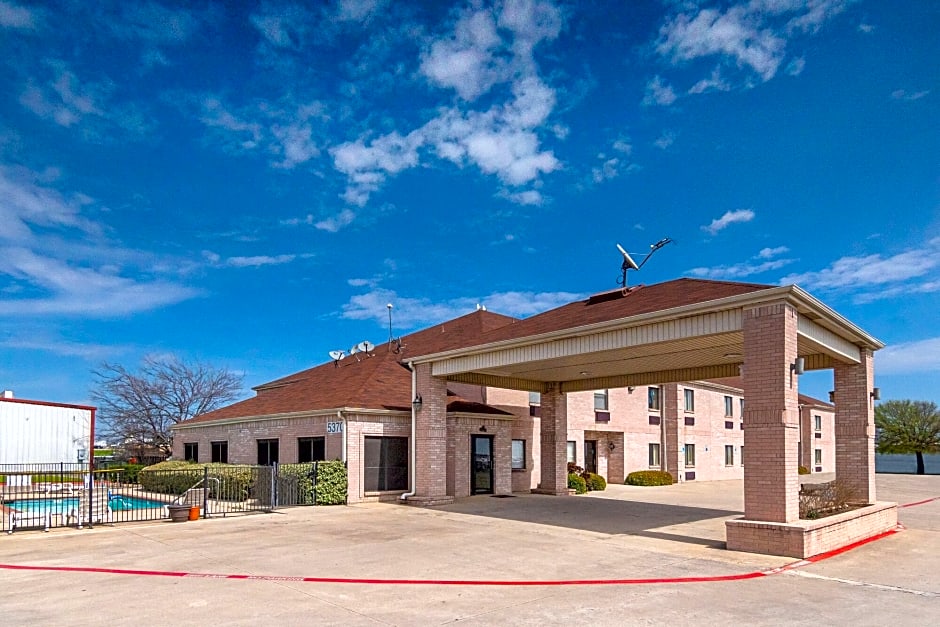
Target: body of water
<point x="906" y="464"/>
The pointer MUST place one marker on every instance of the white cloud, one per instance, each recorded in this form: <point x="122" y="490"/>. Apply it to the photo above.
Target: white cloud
<point x="531" y="197"/>
<point x="410" y="313"/>
<point x="795" y="67"/>
<point x="358" y="10"/>
<point x="466" y="62"/>
<point x="61" y="261"/>
<point x="659" y="92"/>
<point x="713" y="83"/>
<point x="874" y="277"/>
<point x="762" y="262"/>
<point x="734" y="33"/>
<point x="866" y="28"/>
<point x="903" y="94"/>
<point x="257" y="261"/>
<point x="47" y="343"/>
<point x="729" y="218"/>
<point x="909" y="357"/>
<point x="335" y="223"/>
<point x="665" y="140"/>
<point x="16" y="16"/>
<point x="288" y="134"/>
<point x="751" y="36"/>
<point x="770" y="253"/>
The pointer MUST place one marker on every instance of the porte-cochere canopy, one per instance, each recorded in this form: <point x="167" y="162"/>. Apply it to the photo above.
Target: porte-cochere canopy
<point x="685" y="330"/>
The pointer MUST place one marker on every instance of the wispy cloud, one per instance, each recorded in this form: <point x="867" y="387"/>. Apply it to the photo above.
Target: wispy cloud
<point x="726" y="220"/>
<point x="762" y="262"/>
<point x="903" y="94"/>
<point x="16" y="16"/>
<point x="909" y="357"/>
<point x="665" y="140"/>
<point x="748" y="37"/>
<point x="412" y="313"/>
<point x="59" y="262"/>
<point x="252" y="261"/>
<point x="875" y="277"/>
<point x="795" y="66"/>
<point x="659" y="92"/>
<point x="866" y="28"/>
<point x="334" y="223"/>
<point x="47" y="343"/>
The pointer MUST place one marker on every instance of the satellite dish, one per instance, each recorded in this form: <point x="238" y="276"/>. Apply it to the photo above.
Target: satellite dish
<point x="365" y="347"/>
<point x="336" y="355"/>
<point x="354" y="349"/>
<point x="627" y="259"/>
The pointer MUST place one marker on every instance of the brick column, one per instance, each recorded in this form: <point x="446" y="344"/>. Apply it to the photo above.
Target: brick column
<point x="672" y="459"/>
<point x="855" y="426"/>
<point x="771" y="414"/>
<point x="431" y="440"/>
<point x="553" y="429"/>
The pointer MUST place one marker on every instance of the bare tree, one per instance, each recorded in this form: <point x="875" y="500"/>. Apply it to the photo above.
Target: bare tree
<point x="139" y="408"/>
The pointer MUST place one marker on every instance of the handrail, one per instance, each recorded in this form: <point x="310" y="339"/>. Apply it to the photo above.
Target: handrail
<point x="179" y="498"/>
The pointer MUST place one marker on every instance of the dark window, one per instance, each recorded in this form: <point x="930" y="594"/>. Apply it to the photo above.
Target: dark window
<point x="742" y="426"/>
<point x="220" y="452"/>
<point x="689" y="400"/>
<point x="535" y="410"/>
<point x="654" y="420"/>
<point x="690" y="421"/>
<point x="386" y="464"/>
<point x="191" y="451"/>
<point x="729" y="406"/>
<point x="690" y="476"/>
<point x="729" y="424"/>
<point x="518" y="454"/>
<point x="601" y="416"/>
<point x="601" y="401"/>
<point x="311" y="450"/>
<point x="818" y="435"/>
<point x="267" y="452"/>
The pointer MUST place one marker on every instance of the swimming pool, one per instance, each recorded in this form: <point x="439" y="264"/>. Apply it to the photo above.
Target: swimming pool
<point x="117" y="502"/>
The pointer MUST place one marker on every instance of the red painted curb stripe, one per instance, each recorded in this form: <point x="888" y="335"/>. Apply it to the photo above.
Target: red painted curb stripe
<point x="924" y="502"/>
<point x="454" y="582"/>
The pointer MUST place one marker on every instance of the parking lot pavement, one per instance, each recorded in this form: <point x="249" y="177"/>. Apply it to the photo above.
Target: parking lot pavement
<point x="623" y="533"/>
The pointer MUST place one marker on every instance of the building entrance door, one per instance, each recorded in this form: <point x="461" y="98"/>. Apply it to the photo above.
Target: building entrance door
<point x="481" y="464"/>
<point x="590" y="455"/>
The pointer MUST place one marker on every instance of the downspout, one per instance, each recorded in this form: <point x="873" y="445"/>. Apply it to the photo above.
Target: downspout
<point x="414" y="394"/>
<point x="340" y="416"/>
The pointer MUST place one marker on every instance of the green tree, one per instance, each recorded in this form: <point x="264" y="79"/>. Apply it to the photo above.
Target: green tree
<point x="908" y="427"/>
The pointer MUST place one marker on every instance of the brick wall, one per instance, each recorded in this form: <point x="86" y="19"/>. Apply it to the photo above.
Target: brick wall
<point x="855" y="426"/>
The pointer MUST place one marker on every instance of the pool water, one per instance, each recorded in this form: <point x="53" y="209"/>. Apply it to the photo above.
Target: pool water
<point x="117" y="503"/>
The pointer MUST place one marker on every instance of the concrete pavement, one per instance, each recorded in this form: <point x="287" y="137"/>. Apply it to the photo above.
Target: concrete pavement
<point x="623" y="533"/>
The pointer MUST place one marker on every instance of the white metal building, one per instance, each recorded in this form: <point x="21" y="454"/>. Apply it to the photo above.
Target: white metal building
<point x="39" y="432"/>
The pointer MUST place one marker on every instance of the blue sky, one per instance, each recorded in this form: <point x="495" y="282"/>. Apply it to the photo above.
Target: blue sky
<point x="249" y="185"/>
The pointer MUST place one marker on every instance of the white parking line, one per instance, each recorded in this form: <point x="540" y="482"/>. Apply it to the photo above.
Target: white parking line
<point x="864" y="584"/>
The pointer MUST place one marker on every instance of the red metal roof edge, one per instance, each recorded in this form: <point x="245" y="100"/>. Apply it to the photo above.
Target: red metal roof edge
<point x="25" y="401"/>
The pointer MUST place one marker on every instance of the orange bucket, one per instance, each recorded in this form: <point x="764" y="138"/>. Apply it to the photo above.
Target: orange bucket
<point x="194" y="512"/>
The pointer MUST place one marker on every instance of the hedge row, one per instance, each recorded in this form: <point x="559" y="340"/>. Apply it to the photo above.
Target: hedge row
<point x="649" y="477"/>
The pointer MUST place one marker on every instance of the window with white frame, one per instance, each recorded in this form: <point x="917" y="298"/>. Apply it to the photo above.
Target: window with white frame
<point x="742" y="408"/>
<point x="817" y="423"/>
<point x="817" y="457"/>
<point x="729" y="406"/>
<point x="654" y="454"/>
<point x="572" y="452"/>
<point x="601" y="400"/>
<point x="690" y="456"/>
<point x="729" y="455"/>
<point x="518" y="454"/>
<point x="689" y="400"/>
<point x="653" y="398"/>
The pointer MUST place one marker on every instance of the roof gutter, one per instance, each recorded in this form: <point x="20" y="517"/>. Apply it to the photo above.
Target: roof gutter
<point x="414" y="394"/>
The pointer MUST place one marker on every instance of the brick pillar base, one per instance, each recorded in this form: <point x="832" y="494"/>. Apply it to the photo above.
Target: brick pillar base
<point x="430" y="441"/>
<point x="855" y="427"/>
<point x="553" y="441"/>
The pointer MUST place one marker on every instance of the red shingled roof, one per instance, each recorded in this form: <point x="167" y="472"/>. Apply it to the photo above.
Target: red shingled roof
<point x="361" y="381"/>
<point x="382" y="382"/>
<point x="617" y="304"/>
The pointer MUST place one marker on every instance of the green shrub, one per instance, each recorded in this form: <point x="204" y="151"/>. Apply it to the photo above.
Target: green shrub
<point x="649" y="477"/>
<point x="595" y="482"/>
<point x="302" y="475"/>
<point x="226" y="481"/>
<point x="803" y="470"/>
<point x="577" y="483"/>
<point x="332" y="483"/>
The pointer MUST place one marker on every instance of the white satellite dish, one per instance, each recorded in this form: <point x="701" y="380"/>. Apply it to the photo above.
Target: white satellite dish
<point x="336" y="355"/>
<point x="354" y="349"/>
<point x="627" y="259"/>
<point x="365" y="347"/>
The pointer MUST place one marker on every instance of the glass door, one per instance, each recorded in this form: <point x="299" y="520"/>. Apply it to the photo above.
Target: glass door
<point x="481" y="464"/>
<point x="590" y="455"/>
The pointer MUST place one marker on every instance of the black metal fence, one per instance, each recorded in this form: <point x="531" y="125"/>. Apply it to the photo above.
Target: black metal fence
<point x="46" y="496"/>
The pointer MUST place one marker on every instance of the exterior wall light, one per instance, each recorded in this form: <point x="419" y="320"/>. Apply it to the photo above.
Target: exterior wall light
<point x="483" y="428"/>
<point x="876" y="394"/>
<point x="416" y="404"/>
<point x="798" y="366"/>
